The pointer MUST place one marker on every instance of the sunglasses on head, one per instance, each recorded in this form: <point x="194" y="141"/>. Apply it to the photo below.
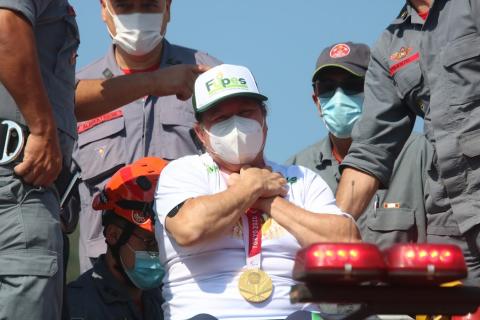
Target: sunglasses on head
<point x="327" y="87"/>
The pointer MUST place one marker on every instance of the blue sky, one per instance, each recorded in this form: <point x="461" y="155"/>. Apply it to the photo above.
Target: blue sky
<point x="278" y="40"/>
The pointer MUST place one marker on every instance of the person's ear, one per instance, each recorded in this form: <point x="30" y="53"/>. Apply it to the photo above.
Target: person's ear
<point x="112" y="234"/>
<point x="104" y="10"/>
<point x="200" y="131"/>
<point x="317" y="104"/>
<point x="168" y="5"/>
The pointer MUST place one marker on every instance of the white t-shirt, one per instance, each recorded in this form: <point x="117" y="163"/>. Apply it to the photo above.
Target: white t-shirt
<point x="203" y="278"/>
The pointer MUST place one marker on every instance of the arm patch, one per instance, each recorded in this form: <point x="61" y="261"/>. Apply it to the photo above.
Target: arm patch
<point x="175" y="210"/>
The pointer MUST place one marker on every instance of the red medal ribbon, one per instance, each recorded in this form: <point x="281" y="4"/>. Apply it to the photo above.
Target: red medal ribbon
<point x="254" y="218"/>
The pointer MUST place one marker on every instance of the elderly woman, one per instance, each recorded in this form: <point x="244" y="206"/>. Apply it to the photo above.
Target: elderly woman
<point x="230" y="222"/>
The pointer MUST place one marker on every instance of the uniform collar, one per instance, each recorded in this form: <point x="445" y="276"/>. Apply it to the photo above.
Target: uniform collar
<point x="167" y="59"/>
<point x="109" y="288"/>
<point x="112" y="66"/>
<point x="409" y="13"/>
<point x="325" y="154"/>
<point x="168" y="56"/>
<point x="111" y="291"/>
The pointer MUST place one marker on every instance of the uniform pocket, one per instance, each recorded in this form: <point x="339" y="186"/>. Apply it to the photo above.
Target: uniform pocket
<point x="470" y="143"/>
<point x="12" y="233"/>
<point x="30" y="232"/>
<point x="175" y="112"/>
<point x="388" y="226"/>
<point x="101" y="149"/>
<point x="43" y="235"/>
<point x="172" y="136"/>
<point x="409" y="84"/>
<point x="393" y="219"/>
<point x="461" y="61"/>
<point x="408" y="78"/>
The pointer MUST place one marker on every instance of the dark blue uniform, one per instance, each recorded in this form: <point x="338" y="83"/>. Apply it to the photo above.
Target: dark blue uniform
<point x="96" y="295"/>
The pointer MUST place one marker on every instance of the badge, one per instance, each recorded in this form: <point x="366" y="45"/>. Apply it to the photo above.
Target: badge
<point x="255" y="285"/>
<point x="400" y="54"/>
<point x="87" y="125"/>
<point x="402" y="63"/>
<point x="339" y="51"/>
<point x="139" y="217"/>
<point x="100" y="151"/>
<point x="391" y="205"/>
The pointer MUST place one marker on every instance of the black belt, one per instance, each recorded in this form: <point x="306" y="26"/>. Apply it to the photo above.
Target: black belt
<point x="13" y="136"/>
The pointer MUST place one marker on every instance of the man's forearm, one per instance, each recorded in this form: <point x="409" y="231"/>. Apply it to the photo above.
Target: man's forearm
<point x="20" y="72"/>
<point x="308" y="227"/>
<point x="207" y="217"/>
<point x="96" y="97"/>
<point x="355" y="190"/>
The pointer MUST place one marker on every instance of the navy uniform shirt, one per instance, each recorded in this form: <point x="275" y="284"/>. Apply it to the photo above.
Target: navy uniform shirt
<point x="428" y="68"/>
<point x="96" y="295"/>
<point x="151" y="126"/>
<point x="396" y="214"/>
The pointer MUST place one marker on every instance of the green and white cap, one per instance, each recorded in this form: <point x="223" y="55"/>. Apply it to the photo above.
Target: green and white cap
<point x="222" y="82"/>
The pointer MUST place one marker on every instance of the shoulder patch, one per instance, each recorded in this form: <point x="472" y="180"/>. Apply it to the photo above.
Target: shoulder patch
<point x="87" y="125"/>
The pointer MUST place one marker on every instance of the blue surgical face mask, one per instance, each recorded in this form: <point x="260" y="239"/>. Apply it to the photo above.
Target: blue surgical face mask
<point x="147" y="272"/>
<point x="341" y="111"/>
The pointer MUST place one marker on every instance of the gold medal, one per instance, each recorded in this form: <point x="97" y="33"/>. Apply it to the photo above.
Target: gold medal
<point x="255" y="285"/>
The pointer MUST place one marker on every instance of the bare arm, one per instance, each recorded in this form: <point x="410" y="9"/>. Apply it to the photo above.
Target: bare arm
<point x="20" y="74"/>
<point x="309" y="227"/>
<point x="97" y="97"/>
<point x="207" y="217"/>
<point x="355" y="190"/>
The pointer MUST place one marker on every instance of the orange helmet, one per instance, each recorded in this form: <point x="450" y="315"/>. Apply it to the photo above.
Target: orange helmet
<point x="129" y="192"/>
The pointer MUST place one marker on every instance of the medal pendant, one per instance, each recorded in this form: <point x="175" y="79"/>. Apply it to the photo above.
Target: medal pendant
<point x="255" y="285"/>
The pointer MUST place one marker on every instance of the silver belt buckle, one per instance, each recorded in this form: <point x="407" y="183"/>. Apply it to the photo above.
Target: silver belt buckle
<point x="14" y="131"/>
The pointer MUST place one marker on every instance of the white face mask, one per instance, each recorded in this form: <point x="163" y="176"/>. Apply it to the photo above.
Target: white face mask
<point x="237" y="140"/>
<point x="137" y="33"/>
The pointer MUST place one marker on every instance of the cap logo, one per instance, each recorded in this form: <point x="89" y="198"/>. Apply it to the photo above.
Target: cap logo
<point x="139" y="217"/>
<point x="339" y="51"/>
<point x="220" y="83"/>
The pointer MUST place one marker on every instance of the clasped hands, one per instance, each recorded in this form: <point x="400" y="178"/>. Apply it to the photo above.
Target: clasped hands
<point x="264" y="184"/>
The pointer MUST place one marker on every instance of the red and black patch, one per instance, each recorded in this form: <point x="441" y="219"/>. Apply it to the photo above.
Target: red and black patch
<point x="89" y="124"/>
<point x="339" y="51"/>
<point x="394" y="68"/>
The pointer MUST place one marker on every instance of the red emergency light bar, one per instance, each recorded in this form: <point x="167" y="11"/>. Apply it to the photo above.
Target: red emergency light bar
<point x="339" y="262"/>
<point x="425" y="263"/>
